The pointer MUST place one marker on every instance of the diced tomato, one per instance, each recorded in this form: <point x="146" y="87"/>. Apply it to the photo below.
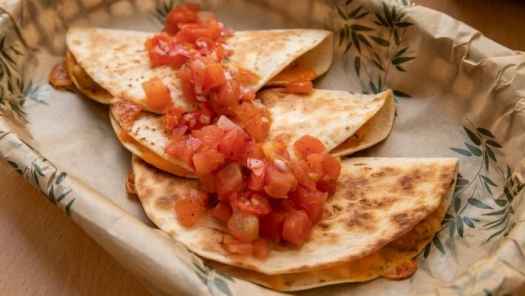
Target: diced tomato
<point x="181" y="148"/>
<point x="307" y="145"/>
<point x="252" y="150"/>
<point x="311" y="202"/>
<point x="258" y="171"/>
<point x="331" y="166"/>
<point x="236" y="246"/>
<point x="214" y="28"/>
<point x="207" y="161"/>
<point x="177" y="60"/>
<point x="191" y="32"/>
<point x="300" y="87"/>
<point x="157" y="94"/>
<point x="246" y="111"/>
<point x="181" y="15"/>
<point x="247" y="77"/>
<point x="189" y="208"/>
<point x="258" y="127"/>
<point x="158" y="48"/>
<point x="232" y="144"/>
<point x="225" y="98"/>
<point x="229" y="179"/>
<point x="252" y="203"/>
<point x="271" y="225"/>
<point x="260" y="248"/>
<point x="208" y="183"/>
<point x="301" y="171"/>
<point x="275" y="149"/>
<point x="326" y="184"/>
<point x="205" y="45"/>
<point x="244" y="226"/>
<point x="278" y="182"/>
<point x="297" y="227"/>
<point x="222" y="211"/>
<point x="205" y="16"/>
<point x="210" y="135"/>
<point x="315" y="162"/>
<point x="172" y="116"/>
<point x="220" y="52"/>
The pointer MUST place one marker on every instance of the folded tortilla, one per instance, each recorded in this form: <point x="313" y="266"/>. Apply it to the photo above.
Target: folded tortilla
<point x="108" y="63"/>
<point x="383" y="213"/>
<point x="331" y="116"/>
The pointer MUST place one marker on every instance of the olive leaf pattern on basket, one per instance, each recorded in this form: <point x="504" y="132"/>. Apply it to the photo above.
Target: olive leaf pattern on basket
<point x="13" y="90"/>
<point x="215" y="280"/>
<point x="484" y="201"/>
<point x="41" y="173"/>
<point x="375" y="42"/>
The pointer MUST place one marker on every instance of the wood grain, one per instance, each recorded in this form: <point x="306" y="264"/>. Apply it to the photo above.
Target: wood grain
<point x="42" y="252"/>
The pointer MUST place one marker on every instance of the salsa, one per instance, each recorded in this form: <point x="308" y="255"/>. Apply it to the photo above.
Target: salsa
<point x="253" y="185"/>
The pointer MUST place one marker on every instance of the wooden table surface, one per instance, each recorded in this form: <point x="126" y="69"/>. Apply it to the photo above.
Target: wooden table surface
<point x="42" y="252"/>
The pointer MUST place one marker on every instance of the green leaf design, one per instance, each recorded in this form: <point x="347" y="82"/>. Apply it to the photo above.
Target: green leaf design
<point x="381" y="20"/>
<point x="356" y="27"/>
<point x="69" y="207"/>
<point x="476" y="151"/>
<point x="490" y="153"/>
<point x="485" y="132"/>
<point x="500" y="202"/>
<point x="362" y="15"/>
<point x="221" y="285"/>
<point x="401" y="94"/>
<point x="60" y="178"/>
<point x="348" y="2"/>
<point x="438" y="244"/>
<point x="404" y="24"/>
<point x="380" y="41"/>
<point x="493" y="144"/>
<point x="462" y="182"/>
<point x="493" y="224"/>
<point x="508" y="195"/>
<point x="63" y="195"/>
<point x="486" y="179"/>
<point x="478" y="204"/>
<point x="13" y="164"/>
<point x="374" y="88"/>
<point x="35" y="178"/>
<point x="496" y="234"/>
<point x="401" y="60"/>
<point x="452" y="228"/>
<point x="39" y="170"/>
<point x="51" y="194"/>
<point x="401" y="69"/>
<point x="397" y="41"/>
<point x="348" y="46"/>
<point x="496" y="213"/>
<point x="357" y="64"/>
<point x="363" y="39"/>
<point x="427" y="250"/>
<point x="468" y="222"/>
<point x="459" y="225"/>
<point x="473" y="137"/>
<point x="347" y="30"/>
<point x="341" y="36"/>
<point x="400" y="52"/>
<point x="461" y="151"/>
<point x="341" y="13"/>
<point x="475" y="220"/>
<point x="486" y="156"/>
<point x="354" y="12"/>
<point x="378" y="65"/>
<point x="394" y="15"/>
<point x="356" y="42"/>
<point x="457" y="204"/>
<point x="387" y="14"/>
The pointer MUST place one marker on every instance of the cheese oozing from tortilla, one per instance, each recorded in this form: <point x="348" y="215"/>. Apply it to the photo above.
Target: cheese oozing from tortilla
<point x="84" y="83"/>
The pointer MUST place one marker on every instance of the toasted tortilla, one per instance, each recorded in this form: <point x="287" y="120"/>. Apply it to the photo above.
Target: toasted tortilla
<point x="377" y="201"/>
<point x="331" y="116"/>
<point x="118" y="61"/>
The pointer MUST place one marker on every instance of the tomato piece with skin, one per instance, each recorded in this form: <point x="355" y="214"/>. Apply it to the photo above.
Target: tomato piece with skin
<point x="258" y="127"/>
<point x="207" y="161"/>
<point x="301" y="171"/>
<point x="171" y="117"/>
<point x="246" y="111"/>
<point x="236" y="246"/>
<point x="271" y="225"/>
<point x="181" y="148"/>
<point x="222" y="211"/>
<point x="256" y="183"/>
<point x="158" y="48"/>
<point x="278" y="182"/>
<point x="326" y="184"/>
<point x="300" y="87"/>
<point x="260" y="248"/>
<point x="181" y="15"/>
<point x="208" y="183"/>
<point x="225" y="98"/>
<point x="275" y="149"/>
<point x="244" y="226"/>
<point x="232" y="144"/>
<point x="252" y="203"/>
<point x="189" y="33"/>
<point x="331" y="166"/>
<point x="210" y="135"/>
<point x="315" y="162"/>
<point x="229" y="179"/>
<point x="213" y="76"/>
<point x="252" y="150"/>
<point x="297" y="227"/>
<point x="157" y="94"/>
<point x="307" y="145"/>
<point x="190" y="207"/>
<point x="311" y="202"/>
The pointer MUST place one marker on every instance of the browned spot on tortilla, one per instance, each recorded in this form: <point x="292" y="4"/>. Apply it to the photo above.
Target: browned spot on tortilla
<point x="166" y="202"/>
<point x="377" y="174"/>
<point x="402" y="219"/>
<point x="77" y="42"/>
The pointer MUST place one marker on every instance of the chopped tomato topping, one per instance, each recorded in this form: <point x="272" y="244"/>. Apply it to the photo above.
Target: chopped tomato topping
<point x="222" y="211"/>
<point x="297" y="227"/>
<point x="253" y="203"/>
<point x="236" y="246"/>
<point x="258" y="127"/>
<point x="300" y="87"/>
<point x="207" y="161"/>
<point x="190" y="208"/>
<point x="310" y="201"/>
<point x="183" y="14"/>
<point x="307" y="145"/>
<point x="229" y="179"/>
<point x="181" y="148"/>
<point x="232" y="144"/>
<point x="213" y="76"/>
<point x="244" y="226"/>
<point x="279" y="180"/>
<point x="331" y="166"/>
<point x="210" y="135"/>
<point x="157" y="94"/>
<point x="301" y="172"/>
<point x="271" y="225"/>
<point x="260" y="248"/>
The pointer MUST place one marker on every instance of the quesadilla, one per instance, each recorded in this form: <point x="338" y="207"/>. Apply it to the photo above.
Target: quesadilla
<point x="384" y="211"/>
<point x="106" y="63"/>
<point x="331" y="116"/>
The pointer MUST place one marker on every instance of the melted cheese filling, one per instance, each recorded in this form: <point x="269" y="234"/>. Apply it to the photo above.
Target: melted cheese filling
<point x="389" y="261"/>
<point x="83" y="81"/>
<point x="154" y="159"/>
<point x="294" y="72"/>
